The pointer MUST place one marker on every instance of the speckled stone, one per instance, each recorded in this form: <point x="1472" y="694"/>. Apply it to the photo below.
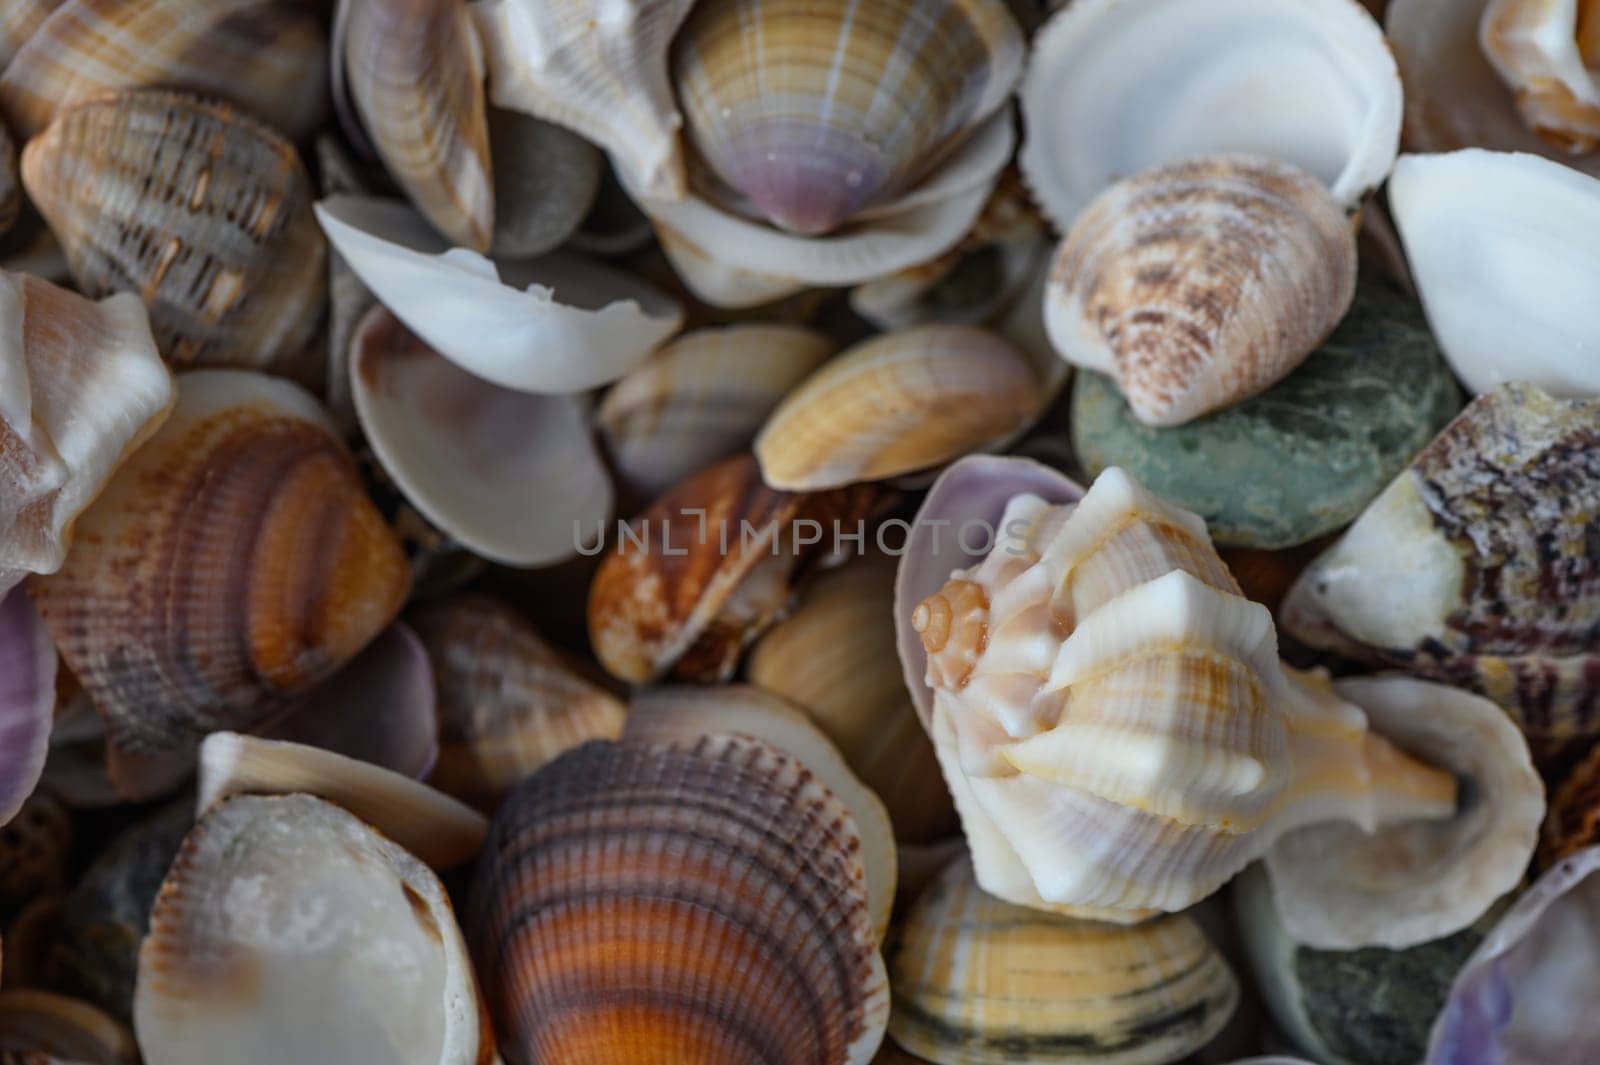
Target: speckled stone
<point x="1303" y="458"/>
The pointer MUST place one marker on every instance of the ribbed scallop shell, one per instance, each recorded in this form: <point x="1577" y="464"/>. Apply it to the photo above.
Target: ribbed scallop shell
<point x="415" y="72"/>
<point x="508" y="702"/>
<point x="287" y="930"/>
<point x="233" y="563"/>
<point x="897" y="403"/>
<point x="44" y="1028"/>
<point x="817" y="111"/>
<point x="1202" y="283"/>
<point x="978" y="981"/>
<point x="1548" y="54"/>
<point x="203" y="212"/>
<point x="265" y="56"/>
<point x="702" y="904"/>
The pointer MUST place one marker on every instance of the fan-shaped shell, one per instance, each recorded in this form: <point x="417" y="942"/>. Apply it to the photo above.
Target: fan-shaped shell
<point x="203" y="212"/>
<point x="701" y="904"/>
<point x="287" y="930"/>
<point x="978" y="981"/>
<point x="1202" y="283"/>
<point x="802" y="107"/>
<point x="233" y="563"/>
<point x="1548" y="53"/>
<point x="60" y="1029"/>
<point x="897" y="403"/>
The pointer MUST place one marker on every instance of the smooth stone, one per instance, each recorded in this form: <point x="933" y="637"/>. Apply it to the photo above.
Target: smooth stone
<point x="545" y="180"/>
<point x="1303" y="458"/>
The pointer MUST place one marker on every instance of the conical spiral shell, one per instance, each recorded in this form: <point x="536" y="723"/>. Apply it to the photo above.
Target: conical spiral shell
<point x="816" y="111"/>
<point x="701" y="905"/>
<point x="1201" y="283"/>
<point x="232" y="563"/>
<point x="415" y="73"/>
<point x="205" y="213"/>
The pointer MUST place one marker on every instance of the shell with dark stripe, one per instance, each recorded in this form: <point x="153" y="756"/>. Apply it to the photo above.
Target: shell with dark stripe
<point x="700" y="905"/>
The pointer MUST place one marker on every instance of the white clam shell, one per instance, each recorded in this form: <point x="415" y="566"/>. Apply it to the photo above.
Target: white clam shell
<point x="1115" y="87"/>
<point x="557" y="324"/>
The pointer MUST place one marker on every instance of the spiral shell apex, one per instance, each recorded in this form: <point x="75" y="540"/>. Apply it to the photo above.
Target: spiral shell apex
<point x="702" y="904"/>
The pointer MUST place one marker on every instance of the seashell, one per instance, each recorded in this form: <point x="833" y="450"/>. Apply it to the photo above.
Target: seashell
<point x="835" y="657"/>
<point x="1476" y="566"/>
<point x="61" y="1029"/>
<point x="27" y="701"/>
<point x="19" y="20"/>
<point x="1202" y="283"/>
<point x="287" y="930"/>
<point x="35" y="850"/>
<point x="980" y="982"/>
<point x="1119" y="607"/>
<point x="546" y="179"/>
<point x="713" y="281"/>
<point x="219" y="243"/>
<point x="514" y="476"/>
<point x="348" y="299"/>
<point x="1115" y="88"/>
<point x="597" y="68"/>
<point x="81" y="386"/>
<point x="683" y="714"/>
<point x="88" y="773"/>
<point x="1548" y="53"/>
<point x="646" y="870"/>
<point x="1493" y="325"/>
<point x="508" y="702"/>
<point x="415" y="73"/>
<point x="148" y="611"/>
<point x="1574" y="820"/>
<point x="479" y="316"/>
<point x="897" y="403"/>
<point x="1527" y="993"/>
<point x="266" y="57"/>
<point x="702" y="398"/>
<point x="1338" y="887"/>
<point x="814" y="136"/>
<point x="746" y="544"/>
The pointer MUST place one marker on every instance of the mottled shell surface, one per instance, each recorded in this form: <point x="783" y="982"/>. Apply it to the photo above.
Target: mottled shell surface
<point x="233" y="563"/>
<point x="1199" y="284"/>
<point x="1548" y="54"/>
<point x="415" y="73"/>
<point x="816" y="112"/>
<point x="707" y="904"/>
<point x="204" y="213"/>
<point x="978" y="981"/>
<point x="508" y="702"/>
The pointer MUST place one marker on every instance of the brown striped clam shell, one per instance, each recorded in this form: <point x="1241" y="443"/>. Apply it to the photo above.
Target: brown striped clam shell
<point x="233" y="563"/>
<point x="637" y="905"/>
<point x="203" y="212"/>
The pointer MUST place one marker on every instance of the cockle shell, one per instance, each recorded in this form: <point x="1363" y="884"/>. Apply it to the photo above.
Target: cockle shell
<point x="287" y="930"/>
<point x="1202" y="283"/>
<point x="1478" y="565"/>
<point x="710" y="565"/>
<point x="898" y="403"/>
<point x="232" y="564"/>
<point x="81" y="386"/>
<point x="1574" y="818"/>
<point x="638" y="905"/>
<point x="205" y="213"/>
<point x="1114" y="88"/>
<point x="978" y="981"/>
<point x="508" y="702"/>
<point x="1464" y="216"/>
<point x="702" y="398"/>
<point x="27" y="700"/>
<point x="61" y="1030"/>
<point x="1111" y="715"/>
<point x="801" y="107"/>
<point x="598" y="67"/>
<point x="1548" y="53"/>
<point x="267" y="57"/>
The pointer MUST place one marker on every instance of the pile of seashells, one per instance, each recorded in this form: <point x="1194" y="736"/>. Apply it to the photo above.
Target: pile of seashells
<point x="799" y="532"/>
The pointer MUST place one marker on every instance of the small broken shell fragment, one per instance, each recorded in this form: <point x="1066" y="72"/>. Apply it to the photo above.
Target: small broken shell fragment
<point x="27" y="700"/>
<point x="895" y="404"/>
<point x="62" y="1030"/>
<point x="287" y="930"/>
<point x="1574" y="819"/>
<point x="695" y="896"/>
<point x="1548" y="54"/>
<point x="508" y="702"/>
<point x="203" y="212"/>
<point x="1202" y="283"/>
<point x="232" y="564"/>
<point x="978" y="981"/>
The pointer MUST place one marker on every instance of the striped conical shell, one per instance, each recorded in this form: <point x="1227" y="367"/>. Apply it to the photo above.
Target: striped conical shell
<point x="700" y="905"/>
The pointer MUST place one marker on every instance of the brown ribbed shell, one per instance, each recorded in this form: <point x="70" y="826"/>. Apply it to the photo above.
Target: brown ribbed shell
<point x="232" y="563"/>
<point x="700" y="906"/>
<point x="206" y="214"/>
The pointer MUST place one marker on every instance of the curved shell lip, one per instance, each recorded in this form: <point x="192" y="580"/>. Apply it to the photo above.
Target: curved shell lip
<point x="27" y="700"/>
<point x="1094" y="40"/>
